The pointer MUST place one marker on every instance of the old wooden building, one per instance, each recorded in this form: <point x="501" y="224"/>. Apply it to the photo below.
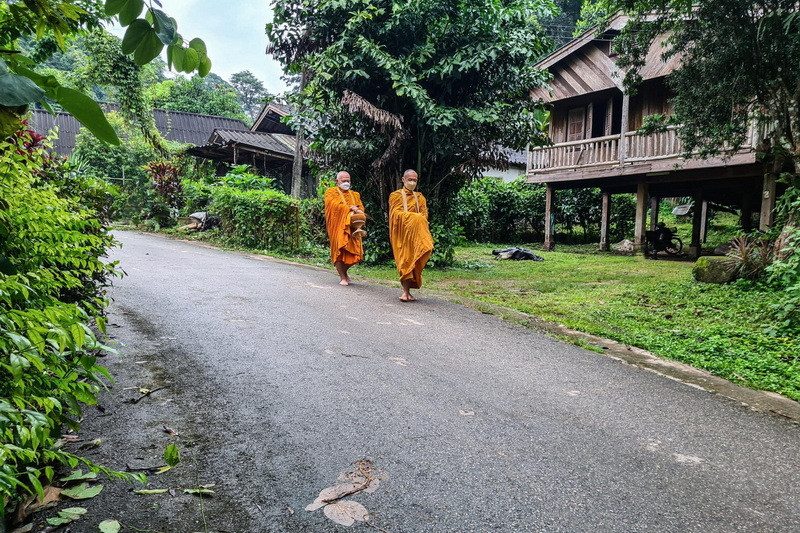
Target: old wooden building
<point x="594" y="127"/>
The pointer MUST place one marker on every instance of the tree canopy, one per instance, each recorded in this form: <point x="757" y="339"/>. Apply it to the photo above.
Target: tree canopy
<point x="437" y="86"/>
<point x="252" y="93"/>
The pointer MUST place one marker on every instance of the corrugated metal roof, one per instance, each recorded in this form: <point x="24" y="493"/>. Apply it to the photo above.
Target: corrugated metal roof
<point x="272" y="142"/>
<point x="189" y="128"/>
<point x="192" y="128"/>
<point x="43" y="123"/>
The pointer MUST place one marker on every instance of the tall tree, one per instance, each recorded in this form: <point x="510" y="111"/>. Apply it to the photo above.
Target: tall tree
<point x="196" y="95"/>
<point x="433" y="85"/>
<point x="251" y="92"/>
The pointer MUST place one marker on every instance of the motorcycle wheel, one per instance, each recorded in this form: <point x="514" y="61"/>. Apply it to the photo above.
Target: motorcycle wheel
<point x="675" y="246"/>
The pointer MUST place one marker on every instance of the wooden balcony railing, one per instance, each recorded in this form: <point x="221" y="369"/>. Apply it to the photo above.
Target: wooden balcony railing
<point x="587" y="152"/>
<point x="604" y="151"/>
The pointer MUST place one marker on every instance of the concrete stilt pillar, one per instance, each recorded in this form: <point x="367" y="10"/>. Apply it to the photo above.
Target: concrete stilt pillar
<point x="655" y="202"/>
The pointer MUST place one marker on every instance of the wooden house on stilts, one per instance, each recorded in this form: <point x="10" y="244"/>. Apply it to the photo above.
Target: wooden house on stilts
<point x="593" y="129"/>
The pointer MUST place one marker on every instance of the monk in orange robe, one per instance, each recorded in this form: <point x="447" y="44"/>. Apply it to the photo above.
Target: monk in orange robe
<point x="409" y="234"/>
<point x="346" y="246"/>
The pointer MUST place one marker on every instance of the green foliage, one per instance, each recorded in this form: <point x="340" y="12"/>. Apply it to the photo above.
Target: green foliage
<point x="51" y="237"/>
<point x="252" y="93"/>
<point x="592" y="14"/>
<point x="211" y="96"/>
<point x="751" y="255"/>
<point x="435" y="86"/>
<point x="258" y="219"/>
<point x="492" y="211"/>
<point x="242" y="178"/>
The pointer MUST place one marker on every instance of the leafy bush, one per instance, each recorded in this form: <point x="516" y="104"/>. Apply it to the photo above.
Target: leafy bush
<point x="751" y="255"/>
<point x="259" y="219"/>
<point x="492" y="211"/>
<point x="240" y="177"/>
<point x="51" y="277"/>
<point x="126" y="167"/>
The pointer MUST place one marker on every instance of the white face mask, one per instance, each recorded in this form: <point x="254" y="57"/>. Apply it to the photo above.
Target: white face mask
<point x="345" y="186"/>
<point x="411" y="185"/>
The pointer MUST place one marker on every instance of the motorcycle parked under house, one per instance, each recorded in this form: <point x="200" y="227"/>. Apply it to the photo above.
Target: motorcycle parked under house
<point x="662" y="239"/>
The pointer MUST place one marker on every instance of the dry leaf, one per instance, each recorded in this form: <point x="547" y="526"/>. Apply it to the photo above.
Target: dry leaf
<point x="398" y="361"/>
<point x="346" y="512"/>
<point x="34" y="504"/>
<point x="330" y="494"/>
<point x="466" y="413"/>
<point x="169" y="431"/>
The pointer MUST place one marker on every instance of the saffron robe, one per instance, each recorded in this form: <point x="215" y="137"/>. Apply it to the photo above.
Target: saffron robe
<point x="344" y="247"/>
<point x="410" y="235"/>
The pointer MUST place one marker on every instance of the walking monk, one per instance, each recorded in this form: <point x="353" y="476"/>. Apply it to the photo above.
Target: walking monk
<point x="340" y="204"/>
<point x="409" y="234"/>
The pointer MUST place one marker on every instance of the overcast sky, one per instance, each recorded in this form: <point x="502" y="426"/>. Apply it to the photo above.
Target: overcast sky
<point x="233" y="31"/>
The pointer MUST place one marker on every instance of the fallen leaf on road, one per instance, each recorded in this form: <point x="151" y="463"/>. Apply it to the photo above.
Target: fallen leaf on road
<point x="83" y="491"/>
<point x="109" y="526"/>
<point x="398" y="361"/>
<point x="330" y="494"/>
<point x="200" y="491"/>
<point x="78" y="475"/>
<point x="466" y="413"/>
<point x="66" y="516"/>
<point x="170" y="431"/>
<point x="346" y="512"/>
<point x="89" y="445"/>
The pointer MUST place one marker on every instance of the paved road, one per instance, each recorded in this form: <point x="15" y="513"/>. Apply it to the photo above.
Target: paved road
<point x="278" y="380"/>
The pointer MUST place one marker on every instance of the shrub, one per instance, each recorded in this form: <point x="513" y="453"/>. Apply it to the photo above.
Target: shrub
<point x="51" y="277"/>
<point x="259" y="219"/>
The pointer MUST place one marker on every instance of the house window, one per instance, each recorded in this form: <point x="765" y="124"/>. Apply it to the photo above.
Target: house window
<point x="575" y="124"/>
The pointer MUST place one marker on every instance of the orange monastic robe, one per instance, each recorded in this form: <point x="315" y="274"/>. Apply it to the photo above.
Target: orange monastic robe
<point x="409" y="234"/>
<point x="344" y="247"/>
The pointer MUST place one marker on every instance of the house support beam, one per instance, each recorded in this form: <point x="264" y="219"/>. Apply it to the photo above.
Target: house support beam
<point x="767" y="203"/>
<point x="641" y="217"/>
<point x="623" y="147"/>
<point x="549" y="217"/>
<point x="654" y="205"/>
<point x="605" y="217"/>
<point x="695" y="247"/>
<point x="704" y="222"/>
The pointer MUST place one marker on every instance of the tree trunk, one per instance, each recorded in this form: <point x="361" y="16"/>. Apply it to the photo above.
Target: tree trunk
<point x="297" y="165"/>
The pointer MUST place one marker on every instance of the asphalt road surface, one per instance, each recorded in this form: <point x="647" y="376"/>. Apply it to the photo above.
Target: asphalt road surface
<point x="278" y="381"/>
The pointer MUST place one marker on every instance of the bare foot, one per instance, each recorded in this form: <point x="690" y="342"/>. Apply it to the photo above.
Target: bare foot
<point x="343" y="282"/>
